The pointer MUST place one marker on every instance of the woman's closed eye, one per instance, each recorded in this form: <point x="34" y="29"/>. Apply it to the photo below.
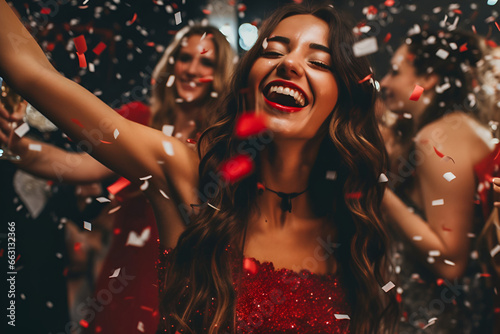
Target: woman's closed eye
<point x="321" y="64"/>
<point x="271" y="54"/>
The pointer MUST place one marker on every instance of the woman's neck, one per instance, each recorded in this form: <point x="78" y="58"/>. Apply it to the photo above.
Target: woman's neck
<point x="285" y="167"/>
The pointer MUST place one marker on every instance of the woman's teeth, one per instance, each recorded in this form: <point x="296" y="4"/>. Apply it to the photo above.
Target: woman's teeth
<point x="299" y="98"/>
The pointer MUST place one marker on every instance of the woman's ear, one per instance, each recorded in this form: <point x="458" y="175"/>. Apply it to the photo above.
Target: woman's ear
<point x="429" y="81"/>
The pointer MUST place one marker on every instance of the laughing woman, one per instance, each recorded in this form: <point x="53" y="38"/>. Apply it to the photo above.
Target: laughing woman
<point x="296" y="247"/>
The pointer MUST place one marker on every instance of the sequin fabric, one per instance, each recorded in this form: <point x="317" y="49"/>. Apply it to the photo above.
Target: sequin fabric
<point x="281" y="300"/>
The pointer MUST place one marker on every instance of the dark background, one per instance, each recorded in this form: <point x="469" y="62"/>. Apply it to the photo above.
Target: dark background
<point x="122" y="71"/>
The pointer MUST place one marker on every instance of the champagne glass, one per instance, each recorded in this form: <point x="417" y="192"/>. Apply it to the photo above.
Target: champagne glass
<point x="11" y="101"/>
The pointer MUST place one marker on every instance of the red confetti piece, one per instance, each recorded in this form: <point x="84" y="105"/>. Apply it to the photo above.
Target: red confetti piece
<point x="389" y="3"/>
<point x="77" y="246"/>
<point x="250" y="266"/>
<point x="1" y="252"/>
<point x="237" y="168"/>
<point x="250" y="124"/>
<point x="231" y="2"/>
<point x="372" y="10"/>
<point x="50" y="47"/>
<point x="105" y="142"/>
<point x="80" y="44"/>
<point x="77" y="122"/>
<point x="98" y="329"/>
<point x="145" y="308"/>
<point x="242" y="7"/>
<point x="463" y="47"/>
<point x="204" y="51"/>
<point x="399" y="298"/>
<point x="496" y="156"/>
<point x="457" y="11"/>
<point x="175" y="5"/>
<point x="18" y="257"/>
<point x="485" y="275"/>
<point x="206" y="79"/>
<point x="387" y="37"/>
<point x="440" y="281"/>
<point x="45" y="11"/>
<point x="152" y="44"/>
<point x="441" y="155"/>
<point x="474" y="29"/>
<point x="497" y="310"/>
<point x="190" y="141"/>
<point x="446" y="229"/>
<point x="368" y="77"/>
<point x="491" y="43"/>
<point x="298" y="1"/>
<point x="207" y="11"/>
<point x="417" y="92"/>
<point x="354" y="195"/>
<point x="117" y="231"/>
<point x="65" y="271"/>
<point x="120" y="184"/>
<point x="498" y="27"/>
<point x="82" y="61"/>
<point x="99" y="48"/>
<point x="84" y="323"/>
<point x="131" y="21"/>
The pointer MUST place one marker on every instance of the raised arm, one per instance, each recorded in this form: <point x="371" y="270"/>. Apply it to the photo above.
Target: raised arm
<point x="448" y="205"/>
<point x="130" y="149"/>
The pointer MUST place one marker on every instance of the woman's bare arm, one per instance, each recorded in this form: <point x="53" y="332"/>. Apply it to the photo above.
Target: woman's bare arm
<point x="130" y="149"/>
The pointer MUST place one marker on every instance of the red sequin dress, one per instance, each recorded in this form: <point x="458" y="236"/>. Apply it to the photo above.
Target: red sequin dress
<point x="282" y="301"/>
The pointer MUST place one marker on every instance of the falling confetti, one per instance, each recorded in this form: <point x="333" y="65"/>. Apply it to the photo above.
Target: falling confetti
<point x="167" y="130"/>
<point x="137" y="240"/>
<point x="441" y="155"/>
<point x="35" y="147"/>
<point x="87" y="226"/>
<point x="116" y="133"/>
<point x="144" y="186"/>
<point x="389" y="286"/>
<point x="103" y="200"/>
<point x="170" y="80"/>
<point x="237" y="167"/>
<point x="382" y="178"/>
<point x="365" y="47"/>
<point x="368" y="77"/>
<point x="167" y="146"/>
<point x="331" y="175"/>
<point x="434" y="253"/>
<point x="443" y="54"/>
<point x="164" y="194"/>
<point x="417" y="238"/>
<point x="341" y="316"/>
<point x="178" y="18"/>
<point x="417" y="92"/>
<point x="450" y="263"/>
<point x="495" y="250"/>
<point x="80" y="44"/>
<point x="116" y="187"/>
<point x="115" y="273"/>
<point x="22" y="130"/>
<point x="250" y="124"/>
<point x="438" y="202"/>
<point x="82" y="61"/>
<point x="99" y="48"/>
<point x="449" y="176"/>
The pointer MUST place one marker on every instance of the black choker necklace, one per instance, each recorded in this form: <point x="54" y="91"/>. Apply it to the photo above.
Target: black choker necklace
<point x="286" y="199"/>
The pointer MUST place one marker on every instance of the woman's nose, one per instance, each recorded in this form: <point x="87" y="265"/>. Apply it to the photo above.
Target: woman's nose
<point x="291" y="65"/>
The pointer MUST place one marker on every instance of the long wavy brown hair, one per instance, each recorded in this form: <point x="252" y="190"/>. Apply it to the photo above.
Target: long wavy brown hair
<point x="199" y="292"/>
<point x="163" y="97"/>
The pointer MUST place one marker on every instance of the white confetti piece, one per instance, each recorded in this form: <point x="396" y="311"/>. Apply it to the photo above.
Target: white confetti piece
<point x="114" y="209"/>
<point x="144" y="186"/>
<point x="365" y="47"/>
<point x="331" y="175"/>
<point x="434" y="253"/>
<point x="35" y="147"/>
<point x="103" y="200"/>
<point x="213" y="207"/>
<point x="495" y="250"/>
<point x="264" y="43"/>
<point x="169" y="9"/>
<point x="115" y="273"/>
<point x="116" y="133"/>
<point x="203" y="36"/>
<point x="167" y="130"/>
<point x="341" y="316"/>
<point x="450" y="263"/>
<point x="59" y="255"/>
<point x="492" y="2"/>
<point x="449" y="176"/>
<point x="137" y="240"/>
<point x="388" y="286"/>
<point x="407" y="115"/>
<point x="214" y="95"/>
<point x="144" y="178"/>
<point x="171" y="60"/>
<point x="178" y="18"/>
<point x="49" y="304"/>
<point x="87" y="226"/>
<point x="443" y="54"/>
<point x="431" y="322"/>
<point x="170" y="80"/>
<point x="22" y="130"/>
<point x="140" y="326"/>
<point x="91" y="67"/>
<point x="417" y="238"/>
<point x="167" y="146"/>
<point x="179" y="100"/>
<point x="164" y="194"/>
<point x="437" y="202"/>
<point x="430" y="259"/>
<point x="382" y="178"/>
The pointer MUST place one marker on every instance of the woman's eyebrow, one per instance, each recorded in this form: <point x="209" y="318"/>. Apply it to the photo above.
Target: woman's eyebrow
<point x="320" y="47"/>
<point x="280" y="39"/>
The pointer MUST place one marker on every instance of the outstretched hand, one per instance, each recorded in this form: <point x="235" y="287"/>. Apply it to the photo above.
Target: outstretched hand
<point x="9" y="122"/>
